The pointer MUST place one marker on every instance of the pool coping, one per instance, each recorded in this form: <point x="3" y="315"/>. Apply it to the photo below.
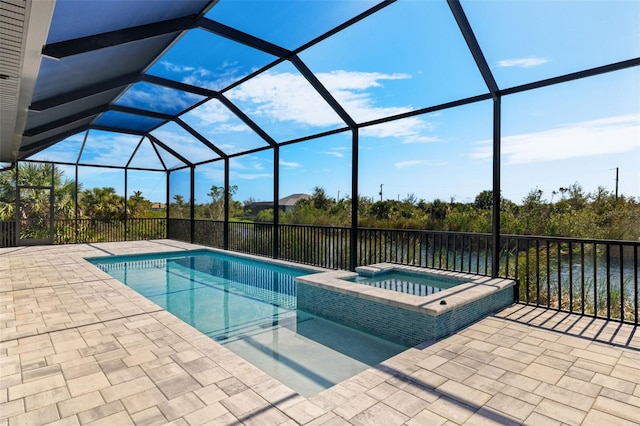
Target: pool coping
<point x="302" y="267"/>
<point x="476" y="288"/>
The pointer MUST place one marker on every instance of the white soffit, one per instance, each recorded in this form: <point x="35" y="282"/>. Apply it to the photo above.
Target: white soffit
<point x="24" y="26"/>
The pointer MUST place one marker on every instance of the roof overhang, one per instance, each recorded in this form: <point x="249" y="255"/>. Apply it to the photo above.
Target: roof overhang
<point x="25" y="25"/>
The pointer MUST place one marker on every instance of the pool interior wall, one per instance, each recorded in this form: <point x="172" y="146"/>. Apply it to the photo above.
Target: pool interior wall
<point x="403" y="318"/>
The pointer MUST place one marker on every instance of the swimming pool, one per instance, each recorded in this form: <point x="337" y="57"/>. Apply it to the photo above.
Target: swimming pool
<point x="250" y="307"/>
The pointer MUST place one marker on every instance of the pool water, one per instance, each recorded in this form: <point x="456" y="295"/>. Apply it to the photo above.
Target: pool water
<point x="406" y="282"/>
<point x="250" y="307"/>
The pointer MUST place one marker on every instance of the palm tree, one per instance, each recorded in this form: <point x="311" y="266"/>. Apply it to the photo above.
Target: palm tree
<point x="101" y="204"/>
<point x="7" y="194"/>
<point x="179" y="205"/>
<point x="138" y="205"/>
<point x="34" y="201"/>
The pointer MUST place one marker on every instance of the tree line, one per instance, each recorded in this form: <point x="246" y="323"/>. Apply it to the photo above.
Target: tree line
<point x="569" y="212"/>
<point x="95" y="203"/>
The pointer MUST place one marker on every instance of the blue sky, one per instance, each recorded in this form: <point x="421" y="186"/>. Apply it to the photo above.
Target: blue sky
<point x="408" y="56"/>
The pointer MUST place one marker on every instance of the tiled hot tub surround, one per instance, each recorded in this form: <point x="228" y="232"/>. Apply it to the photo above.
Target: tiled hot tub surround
<point x="401" y="317"/>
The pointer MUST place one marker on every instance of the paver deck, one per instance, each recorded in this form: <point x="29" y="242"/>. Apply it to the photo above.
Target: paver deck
<point x="78" y="347"/>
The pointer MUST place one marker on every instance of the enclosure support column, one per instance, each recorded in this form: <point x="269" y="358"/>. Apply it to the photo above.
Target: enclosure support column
<point x="495" y="223"/>
<point x="84" y="143"/>
<point x="276" y="202"/>
<point x="487" y="75"/>
<point x="225" y="225"/>
<point x="192" y="204"/>
<point x="75" y="202"/>
<point x="353" y="240"/>
<point x="52" y="200"/>
<point x="168" y="196"/>
<point x="17" y="214"/>
<point x="126" y="211"/>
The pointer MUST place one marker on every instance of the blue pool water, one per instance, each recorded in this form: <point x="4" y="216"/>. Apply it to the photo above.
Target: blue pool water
<point x="406" y="282"/>
<point x="250" y="307"/>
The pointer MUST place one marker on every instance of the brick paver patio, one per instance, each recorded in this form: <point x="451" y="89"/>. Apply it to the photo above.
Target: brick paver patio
<point x="78" y="347"/>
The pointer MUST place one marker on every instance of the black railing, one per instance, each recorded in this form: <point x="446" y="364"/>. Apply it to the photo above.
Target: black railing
<point x="591" y="277"/>
<point x="179" y="229"/>
<point x="70" y="231"/>
<point x="208" y="233"/>
<point x="452" y="251"/>
<point x="323" y="246"/>
<point x="7" y="233"/>
<point x="598" y="278"/>
<point x="252" y="238"/>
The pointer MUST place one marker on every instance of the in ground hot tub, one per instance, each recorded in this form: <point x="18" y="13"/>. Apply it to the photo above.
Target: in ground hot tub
<point x="420" y="283"/>
<point x="389" y="304"/>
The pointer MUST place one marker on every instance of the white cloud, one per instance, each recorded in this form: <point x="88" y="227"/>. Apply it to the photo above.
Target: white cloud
<point x="109" y="148"/>
<point x="350" y="90"/>
<point x="217" y="119"/>
<point x="211" y="174"/>
<point x="158" y="98"/>
<point x="65" y="151"/>
<point x="610" y="135"/>
<point x="224" y="75"/>
<point x="523" y="62"/>
<point x="353" y="80"/>
<point x="290" y="164"/>
<point x="212" y="112"/>
<point x="252" y="176"/>
<point x="250" y="167"/>
<point x="332" y="153"/>
<point x="169" y="66"/>
<point x="408" y="130"/>
<point x="237" y="163"/>
<point x="284" y="97"/>
<point x="288" y="97"/>
<point x="232" y="128"/>
<point x="257" y="165"/>
<point x="249" y="163"/>
<point x="225" y="147"/>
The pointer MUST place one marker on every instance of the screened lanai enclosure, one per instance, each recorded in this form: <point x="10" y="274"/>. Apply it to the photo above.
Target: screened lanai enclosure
<point x="494" y="137"/>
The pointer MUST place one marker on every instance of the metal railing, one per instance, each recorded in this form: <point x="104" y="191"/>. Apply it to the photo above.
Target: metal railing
<point x="253" y="238"/>
<point x="68" y="231"/>
<point x="323" y="246"/>
<point x="591" y="277"/>
<point x="71" y="231"/>
<point x="8" y="233"/>
<point x="451" y="251"/>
